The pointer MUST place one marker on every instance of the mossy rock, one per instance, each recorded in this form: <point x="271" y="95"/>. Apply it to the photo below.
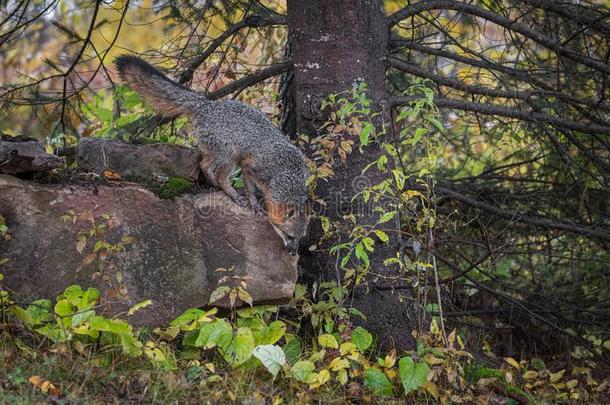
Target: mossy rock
<point x="174" y="187"/>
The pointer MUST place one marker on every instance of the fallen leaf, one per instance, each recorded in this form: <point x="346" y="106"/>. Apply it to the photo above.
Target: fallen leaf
<point x="45" y="386"/>
<point x="111" y="175"/>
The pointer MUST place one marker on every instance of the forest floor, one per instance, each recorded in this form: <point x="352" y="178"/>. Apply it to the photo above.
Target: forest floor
<point x="58" y="375"/>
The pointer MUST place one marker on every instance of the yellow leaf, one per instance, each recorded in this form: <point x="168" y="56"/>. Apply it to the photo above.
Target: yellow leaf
<point x="338" y="363"/>
<point x="460" y="342"/>
<point x="530" y="375"/>
<point x="572" y="384"/>
<point x="554" y="377"/>
<point x="347" y="348"/>
<point x="433" y="360"/>
<point x="319" y="379"/>
<point x="431" y="389"/>
<point x="484" y="382"/>
<point x="390" y="359"/>
<point x="210" y="367"/>
<point x="451" y="339"/>
<point x="512" y="362"/>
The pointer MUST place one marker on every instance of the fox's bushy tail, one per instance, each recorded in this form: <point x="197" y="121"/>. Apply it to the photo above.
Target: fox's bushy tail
<point x="169" y="98"/>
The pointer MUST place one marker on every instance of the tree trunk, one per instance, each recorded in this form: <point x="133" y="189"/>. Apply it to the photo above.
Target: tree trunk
<point x="333" y="45"/>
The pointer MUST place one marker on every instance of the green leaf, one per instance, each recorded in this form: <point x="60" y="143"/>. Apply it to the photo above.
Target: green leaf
<point x="82" y="317"/>
<point x="382" y="235"/>
<point x="303" y="371"/>
<point x="216" y="333"/>
<point x="272" y="357"/>
<point x="342" y="376"/>
<point x="187" y="316"/>
<point x="328" y="340"/>
<point x="219" y="293"/>
<point x="40" y="311"/>
<point x="419" y="132"/>
<point x="244" y="296"/>
<point x="21" y="314"/>
<point x="276" y="330"/>
<point x="378" y="382"/>
<point x="345" y="259"/>
<point x="240" y="348"/>
<point x="387" y="216"/>
<point x="130" y="344"/>
<point x="116" y="326"/>
<point x="412" y="375"/>
<point x="63" y="308"/>
<point x="362" y="255"/>
<point x="436" y="124"/>
<point x="361" y="338"/>
<point x="139" y="306"/>
<point x="364" y="134"/>
<point x="368" y="243"/>
<point x="88" y="299"/>
<point x="292" y="350"/>
<point x="73" y="293"/>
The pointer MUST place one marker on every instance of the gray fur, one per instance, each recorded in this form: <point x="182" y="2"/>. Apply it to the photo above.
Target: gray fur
<point x="230" y="133"/>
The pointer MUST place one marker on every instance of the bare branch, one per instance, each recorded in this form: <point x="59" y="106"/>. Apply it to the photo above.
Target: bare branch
<point x="514" y="26"/>
<point x="248" y="22"/>
<point x="492" y="109"/>
<point x="252" y="79"/>
<point x="589" y="231"/>
<point x="494" y="66"/>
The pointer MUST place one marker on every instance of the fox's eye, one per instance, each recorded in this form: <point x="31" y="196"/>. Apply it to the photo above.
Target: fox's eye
<point x="290" y="213"/>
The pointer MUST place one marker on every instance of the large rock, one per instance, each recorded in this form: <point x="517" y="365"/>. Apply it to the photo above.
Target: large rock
<point x="181" y="251"/>
<point x="139" y="161"/>
<point x="21" y="155"/>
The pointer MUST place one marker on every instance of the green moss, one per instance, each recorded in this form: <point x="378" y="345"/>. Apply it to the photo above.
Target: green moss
<point x="475" y="371"/>
<point x="172" y="188"/>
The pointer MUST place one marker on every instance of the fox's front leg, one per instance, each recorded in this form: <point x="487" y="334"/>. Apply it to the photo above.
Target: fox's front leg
<point x="224" y="182"/>
<point x="218" y="175"/>
<point x="251" y="190"/>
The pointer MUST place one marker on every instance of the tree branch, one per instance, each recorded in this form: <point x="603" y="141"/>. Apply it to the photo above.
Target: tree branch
<point x="574" y="11"/>
<point x="511" y="25"/>
<point x="494" y="66"/>
<point x="589" y="231"/>
<point x="250" y="22"/>
<point x="496" y="110"/>
<point x="251" y="79"/>
<point x="459" y="85"/>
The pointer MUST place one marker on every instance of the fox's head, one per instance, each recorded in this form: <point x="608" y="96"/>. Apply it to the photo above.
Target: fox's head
<point x="290" y="221"/>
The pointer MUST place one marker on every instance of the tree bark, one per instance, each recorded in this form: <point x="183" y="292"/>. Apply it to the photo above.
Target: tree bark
<point x="334" y="44"/>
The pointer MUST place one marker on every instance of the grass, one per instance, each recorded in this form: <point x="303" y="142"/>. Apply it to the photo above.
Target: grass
<point x="112" y="378"/>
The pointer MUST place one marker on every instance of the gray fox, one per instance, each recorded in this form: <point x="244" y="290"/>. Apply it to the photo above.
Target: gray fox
<point x="232" y="133"/>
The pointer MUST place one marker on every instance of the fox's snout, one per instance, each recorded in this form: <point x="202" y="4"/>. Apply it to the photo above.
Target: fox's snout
<point x="289" y="222"/>
<point x="292" y="245"/>
<point x="290" y="242"/>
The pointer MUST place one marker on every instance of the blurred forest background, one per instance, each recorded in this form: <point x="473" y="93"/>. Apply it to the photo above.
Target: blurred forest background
<point x="518" y="175"/>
